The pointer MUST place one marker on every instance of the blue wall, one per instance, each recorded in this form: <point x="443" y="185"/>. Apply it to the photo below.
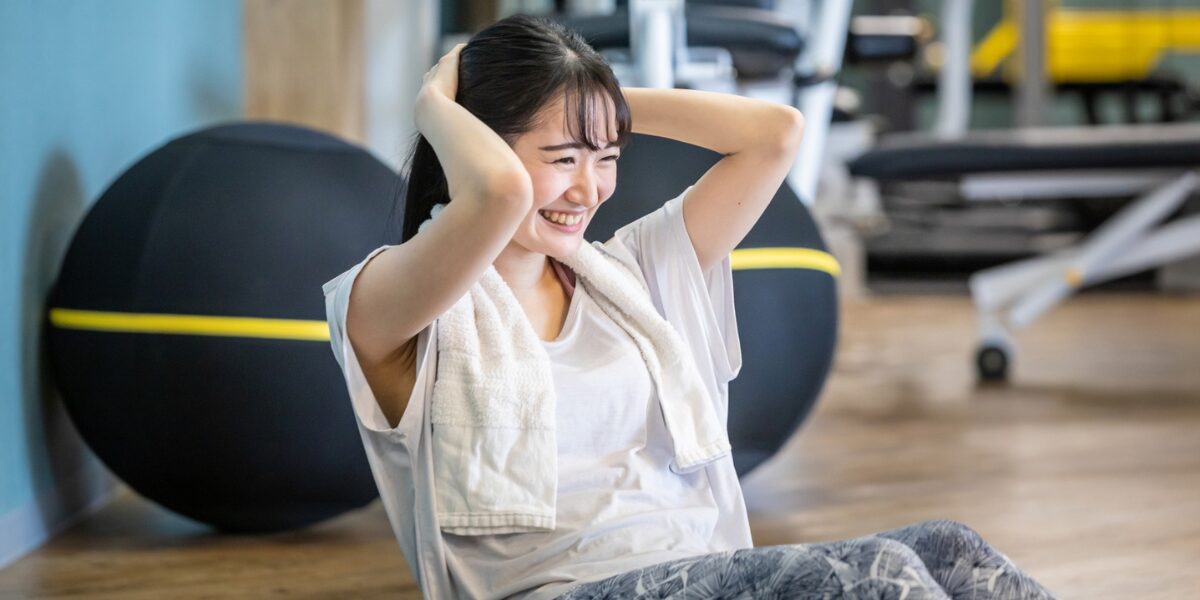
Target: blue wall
<point x="86" y="88"/>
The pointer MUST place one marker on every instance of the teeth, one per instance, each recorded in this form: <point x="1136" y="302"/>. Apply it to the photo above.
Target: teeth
<point x="561" y="218"/>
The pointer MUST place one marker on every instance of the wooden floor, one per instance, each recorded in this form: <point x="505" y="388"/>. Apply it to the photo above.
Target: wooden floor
<point x="1085" y="471"/>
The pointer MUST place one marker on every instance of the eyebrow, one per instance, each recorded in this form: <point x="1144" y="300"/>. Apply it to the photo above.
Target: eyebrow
<point x="572" y="146"/>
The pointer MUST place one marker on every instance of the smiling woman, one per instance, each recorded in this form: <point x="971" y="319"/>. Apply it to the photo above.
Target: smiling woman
<point x="547" y="415"/>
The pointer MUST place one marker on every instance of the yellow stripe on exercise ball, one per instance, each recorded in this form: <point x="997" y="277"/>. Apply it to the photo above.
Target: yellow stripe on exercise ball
<point x="784" y="258"/>
<point x="252" y="327"/>
<point x="301" y="329"/>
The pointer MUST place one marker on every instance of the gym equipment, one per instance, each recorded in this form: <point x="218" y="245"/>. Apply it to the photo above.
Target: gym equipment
<point x="1094" y="44"/>
<point x="1150" y="163"/>
<point x="1087" y="52"/>
<point x="1010" y="297"/>
<point x="785" y="295"/>
<point x="187" y="331"/>
<point x="665" y="44"/>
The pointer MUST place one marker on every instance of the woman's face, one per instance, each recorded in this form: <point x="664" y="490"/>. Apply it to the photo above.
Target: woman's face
<point x="569" y="180"/>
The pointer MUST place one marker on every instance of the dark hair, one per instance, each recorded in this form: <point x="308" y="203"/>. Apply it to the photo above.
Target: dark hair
<point x="507" y="73"/>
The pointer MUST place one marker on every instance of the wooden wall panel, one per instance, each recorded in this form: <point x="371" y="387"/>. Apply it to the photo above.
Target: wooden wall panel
<point x="304" y="63"/>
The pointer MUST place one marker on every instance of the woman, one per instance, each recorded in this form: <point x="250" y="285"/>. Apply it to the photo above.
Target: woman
<point x="521" y="130"/>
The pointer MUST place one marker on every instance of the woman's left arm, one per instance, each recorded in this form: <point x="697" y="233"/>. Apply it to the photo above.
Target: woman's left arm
<point x="759" y="141"/>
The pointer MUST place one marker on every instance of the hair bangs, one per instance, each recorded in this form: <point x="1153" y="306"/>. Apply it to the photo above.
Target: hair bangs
<point x="586" y="111"/>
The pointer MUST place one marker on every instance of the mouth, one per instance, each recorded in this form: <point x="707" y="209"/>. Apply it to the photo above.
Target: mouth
<point x="562" y="221"/>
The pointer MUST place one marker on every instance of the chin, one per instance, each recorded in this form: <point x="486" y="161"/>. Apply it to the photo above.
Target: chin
<point x="566" y="249"/>
<point x="560" y="247"/>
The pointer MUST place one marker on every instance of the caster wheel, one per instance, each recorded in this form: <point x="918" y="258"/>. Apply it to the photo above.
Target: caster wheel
<point x="992" y="363"/>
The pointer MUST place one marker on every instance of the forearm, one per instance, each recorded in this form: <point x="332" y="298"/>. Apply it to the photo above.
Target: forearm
<point x="722" y="123"/>
<point x="475" y="159"/>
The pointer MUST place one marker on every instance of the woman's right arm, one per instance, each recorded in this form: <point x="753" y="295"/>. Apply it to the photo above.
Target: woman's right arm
<point x="404" y="288"/>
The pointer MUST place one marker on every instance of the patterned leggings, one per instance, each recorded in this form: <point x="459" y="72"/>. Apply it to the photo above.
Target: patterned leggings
<point x="932" y="559"/>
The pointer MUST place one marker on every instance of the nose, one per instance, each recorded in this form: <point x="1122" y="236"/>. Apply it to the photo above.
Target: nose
<point x="583" y="190"/>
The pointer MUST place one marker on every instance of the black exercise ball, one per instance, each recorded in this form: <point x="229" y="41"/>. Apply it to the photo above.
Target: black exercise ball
<point x="787" y="315"/>
<point x="187" y="329"/>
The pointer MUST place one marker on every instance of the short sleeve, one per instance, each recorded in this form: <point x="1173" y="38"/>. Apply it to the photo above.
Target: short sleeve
<point x="699" y="305"/>
<point x="366" y="407"/>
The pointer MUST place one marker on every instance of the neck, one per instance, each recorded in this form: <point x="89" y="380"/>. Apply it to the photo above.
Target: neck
<point x="524" y="271"/>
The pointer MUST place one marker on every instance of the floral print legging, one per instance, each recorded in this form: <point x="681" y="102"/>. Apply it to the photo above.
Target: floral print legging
<point x="932" y="559"/>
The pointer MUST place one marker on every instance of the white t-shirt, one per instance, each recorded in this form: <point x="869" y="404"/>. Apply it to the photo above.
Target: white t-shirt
<point x="619" y="507"/>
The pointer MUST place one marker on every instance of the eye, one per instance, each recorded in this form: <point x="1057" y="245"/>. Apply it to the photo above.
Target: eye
<point x="613" y="157"/>
<point x="569" y="158"/>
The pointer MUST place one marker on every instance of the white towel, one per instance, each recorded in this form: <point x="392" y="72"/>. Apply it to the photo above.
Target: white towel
<point x="494" y="451"/>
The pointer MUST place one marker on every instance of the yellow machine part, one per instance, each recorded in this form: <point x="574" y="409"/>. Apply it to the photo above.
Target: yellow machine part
<point x="1094" y="45"/>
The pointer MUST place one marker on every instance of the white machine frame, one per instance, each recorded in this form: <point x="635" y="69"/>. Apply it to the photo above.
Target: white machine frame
<point x="1012" y="296"/>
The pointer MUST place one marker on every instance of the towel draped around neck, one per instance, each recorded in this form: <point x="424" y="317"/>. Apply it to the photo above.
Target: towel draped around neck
<point x="493" y="405"/>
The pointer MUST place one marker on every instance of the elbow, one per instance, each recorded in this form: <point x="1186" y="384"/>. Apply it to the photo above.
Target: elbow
<point x="510" y="189"/>
<point x="791" y="129"/>
<point x="781" y="131"/>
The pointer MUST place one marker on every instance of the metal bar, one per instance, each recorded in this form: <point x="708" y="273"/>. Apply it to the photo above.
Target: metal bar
<point x="1033" y="89"/>
<point x="1115" y="235"/>
<point x="828" y="38"/>
<point x="954" y="78"/>
<point x="1174" y="241"/>
<point x="998" y="286"/>
<point x="1054" y="185"/>
<point x="652" y="27"/>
